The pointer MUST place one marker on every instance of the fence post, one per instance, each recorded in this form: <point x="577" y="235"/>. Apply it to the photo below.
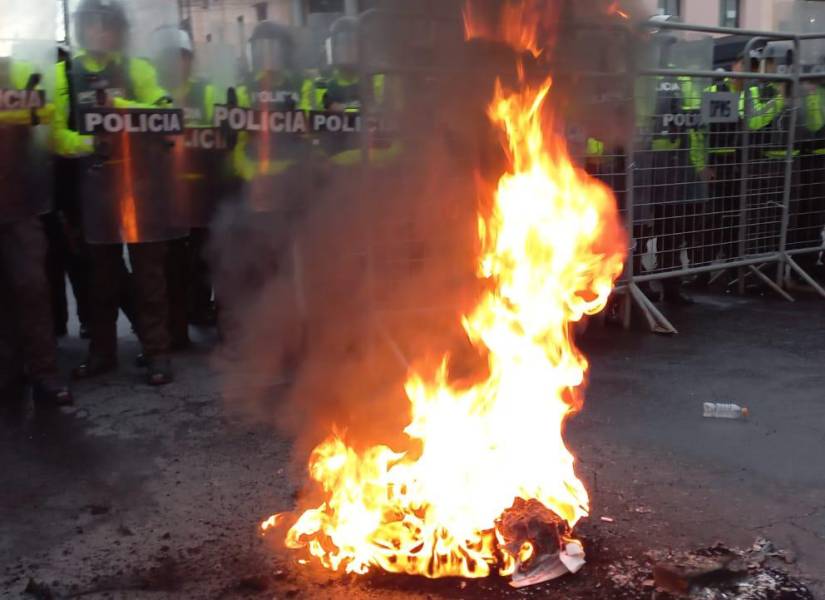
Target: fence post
<point x="630" y="185"/>
<point x="789" y="162"/>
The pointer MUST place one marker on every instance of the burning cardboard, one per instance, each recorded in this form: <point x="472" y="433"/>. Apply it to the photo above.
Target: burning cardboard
<point x="541" y="542"/>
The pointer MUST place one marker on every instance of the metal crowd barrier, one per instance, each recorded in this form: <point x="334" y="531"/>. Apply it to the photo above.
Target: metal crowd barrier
<point x="703" y="194"/>
<point x="716" y="192"/>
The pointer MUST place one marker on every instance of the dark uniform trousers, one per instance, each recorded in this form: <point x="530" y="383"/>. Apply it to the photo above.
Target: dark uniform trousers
<point x="177" y="281"/>
<point x="725" y="194"/>
<point x="151" y="305"/>
<point x="200" y="276"/>
<point x="807" y="212"/>
<point x="27" y="314"/>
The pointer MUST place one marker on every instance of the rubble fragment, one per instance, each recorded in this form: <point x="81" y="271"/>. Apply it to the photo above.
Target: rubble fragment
<point x="714" y="573"/>
<point x="693" y="571"/>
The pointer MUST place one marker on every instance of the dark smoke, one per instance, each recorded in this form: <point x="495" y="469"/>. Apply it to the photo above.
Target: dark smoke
<point x="385" y="257"/>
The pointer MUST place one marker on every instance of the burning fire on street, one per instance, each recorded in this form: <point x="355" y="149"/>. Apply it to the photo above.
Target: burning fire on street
<point x="492" y="485"/>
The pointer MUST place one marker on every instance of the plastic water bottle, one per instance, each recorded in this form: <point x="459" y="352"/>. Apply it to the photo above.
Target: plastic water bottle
<point x="724" y="411"/>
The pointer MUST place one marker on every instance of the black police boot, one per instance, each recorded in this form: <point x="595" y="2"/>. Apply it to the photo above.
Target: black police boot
<point x="94" y="366"/>
<point x="204" y="316"/>
<point x="13" y="400"/>
<point x="52" y="389"/>
<point x="180" y="342"/>
<point x="674" y="294"/>
<point x="649" y="292"/>
<point x="159" y="370"/>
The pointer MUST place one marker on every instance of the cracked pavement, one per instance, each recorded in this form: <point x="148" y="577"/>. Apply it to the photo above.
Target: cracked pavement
<point x="144" y="493"/>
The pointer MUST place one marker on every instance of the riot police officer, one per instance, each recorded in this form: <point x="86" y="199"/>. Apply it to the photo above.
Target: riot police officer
<point x="341" y="90"/>
<point x="724" y="143"/>
<point x="27" y="336"/>
<point x="672" y="168"/>
<point x="273" y="171"/>
<point x="807" y="214"/>
<point x="125" y="183"/>
<point x="274" y="85"/>
<point x="201" y="175"/>
<point x="767" y="116"/>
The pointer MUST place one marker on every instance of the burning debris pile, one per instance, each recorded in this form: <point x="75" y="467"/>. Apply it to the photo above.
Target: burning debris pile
<point x="486" y="482"/>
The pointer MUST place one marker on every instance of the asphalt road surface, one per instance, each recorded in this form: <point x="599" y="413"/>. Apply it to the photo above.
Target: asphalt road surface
<point x="157" y="493"/>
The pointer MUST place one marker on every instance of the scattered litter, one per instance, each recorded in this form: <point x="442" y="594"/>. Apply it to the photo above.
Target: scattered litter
<point x="763" y="549"/>
<point x="768" y="584"/>
<point x="608" y="519"/>
<point x="712" y="410"/>
<point x="714" y="573"/>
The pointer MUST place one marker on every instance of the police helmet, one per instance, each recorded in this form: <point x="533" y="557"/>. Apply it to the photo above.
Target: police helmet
<point x="171" y="37"/>
<point x="665" y="19"/>
<point x="272" y="47"/>
<point x="173" y="54"/>
<point x="780" y="52"/>
<point x="109" y="14"/>
<point x="342" y="43"/>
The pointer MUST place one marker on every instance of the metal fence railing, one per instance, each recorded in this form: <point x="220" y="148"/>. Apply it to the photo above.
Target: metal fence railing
<point x="722" y="173"/>
<point x="727" y="171"/>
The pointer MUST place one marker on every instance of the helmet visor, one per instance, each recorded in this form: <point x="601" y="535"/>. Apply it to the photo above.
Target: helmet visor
<point x="342" y="49"/>
<point x="174" y="66"/>
<point x="100" y="31"/>
<point x="268" y="55"/>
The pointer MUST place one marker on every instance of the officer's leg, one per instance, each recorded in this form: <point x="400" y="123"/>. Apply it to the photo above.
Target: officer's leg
<point x="730" y="192"/>
<point x="177" y="278"/>
<point x="11" y="365"/>
<point x="201" y="307"/>
<point x="56" y="256"/>
<point x="818" y="212"/>
<point x="78" y="261"/>
<point x="152" y="307"/>
<point x="674" y="227"/>
<point x="104" y="292"/>
<point x="24" y="257"/>
<point x="718" y="193"/>
<point x="804" y="228"/>
<point x="78" y="268"/>
<point x="126" y="297"/>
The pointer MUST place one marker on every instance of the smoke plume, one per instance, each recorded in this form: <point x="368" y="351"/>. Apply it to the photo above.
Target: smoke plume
<point x="363" y="272"/>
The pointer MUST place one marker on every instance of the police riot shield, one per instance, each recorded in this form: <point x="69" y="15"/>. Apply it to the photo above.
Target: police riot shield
<point x="670" y="117"/>
<point x="124" y="120"/>
<point x="266" y="113"/>
<point x="197" y="77"/>
<point x="672" y="104"/>
<point x="27" y="55"/>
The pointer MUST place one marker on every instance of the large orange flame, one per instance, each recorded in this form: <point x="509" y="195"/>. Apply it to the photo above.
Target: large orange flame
<point x="551" y="248"/>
